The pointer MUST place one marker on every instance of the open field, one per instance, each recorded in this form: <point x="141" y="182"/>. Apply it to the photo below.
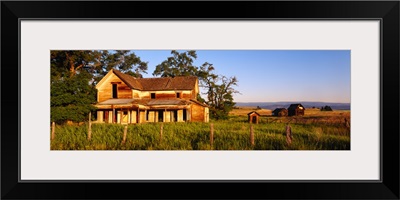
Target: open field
<point x="315" y="130"/>
<point x="311" y="115"/>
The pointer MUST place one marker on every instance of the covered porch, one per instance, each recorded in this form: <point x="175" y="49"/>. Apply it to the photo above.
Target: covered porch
<point x="131" y="111"/>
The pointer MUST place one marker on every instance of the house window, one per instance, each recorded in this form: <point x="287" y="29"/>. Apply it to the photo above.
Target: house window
<point x="153" y="95"/>
<point x="178" y="95"/>
<point x="114" y="91"/>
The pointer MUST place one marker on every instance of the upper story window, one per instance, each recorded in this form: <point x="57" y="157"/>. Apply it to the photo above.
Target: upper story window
<point x="153" y="95"/>
<point x="114" y="91"/>
<point x="178" y="95"/>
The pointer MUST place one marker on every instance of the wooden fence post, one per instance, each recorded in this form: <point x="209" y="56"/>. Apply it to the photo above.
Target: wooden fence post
<point x="125" y="131"/>
<point x="90" y="127"/>
<point x="161" y="131"/>
<point x="251" y="135"/>
<point x="289" y="135"/>
<point x="53" y="127"/>
<point x="346" y="123"/>
<point x="211" y="135"/>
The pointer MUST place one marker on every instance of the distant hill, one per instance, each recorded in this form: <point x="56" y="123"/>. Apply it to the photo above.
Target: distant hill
<point x="308" y="104"/>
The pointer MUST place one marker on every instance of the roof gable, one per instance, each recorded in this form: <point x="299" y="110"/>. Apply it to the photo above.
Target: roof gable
<point x="253" y="112"/>
<point x="128" y="80"/>
<point x="131" y="81"/>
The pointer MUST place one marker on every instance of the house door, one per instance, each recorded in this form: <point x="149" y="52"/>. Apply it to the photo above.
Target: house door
<point x="254" y="120"/>
<point x="160" y="116"/>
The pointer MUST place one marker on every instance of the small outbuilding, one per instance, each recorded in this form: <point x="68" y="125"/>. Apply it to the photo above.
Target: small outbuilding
<point x="296" y="110"/>
<point x="280" y="112"/>
<point x="253" y="117"/>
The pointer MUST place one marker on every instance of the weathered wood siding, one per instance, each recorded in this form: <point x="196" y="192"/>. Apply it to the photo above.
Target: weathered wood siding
<point x="142" y="116"/>
<point x="105" y="92"/>
<point x="180" y="115"/>
<point x="206" y="114"/>
<point x="197" y="113"/>
<point x="151" y="116"/>
<point x="133" y="116"/>
<point x="135" y="93"/>
<point x="167" y="115"/>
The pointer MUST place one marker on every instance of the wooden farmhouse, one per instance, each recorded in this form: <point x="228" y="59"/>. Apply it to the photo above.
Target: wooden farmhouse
<point x="122" y="98"/>
<point x="253" y="117"/>
<point x="296" y="110"/>
<point x="280" y="112"/>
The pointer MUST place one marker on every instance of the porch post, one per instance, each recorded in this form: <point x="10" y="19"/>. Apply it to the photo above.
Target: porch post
<point x="129" y="116"/>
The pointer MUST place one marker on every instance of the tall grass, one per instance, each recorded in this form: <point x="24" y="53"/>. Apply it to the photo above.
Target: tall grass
<point x="232" y="134"/>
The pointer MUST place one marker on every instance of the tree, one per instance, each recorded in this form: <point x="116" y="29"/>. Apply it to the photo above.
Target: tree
<point x="74" y="75"/>
<point x="326" y="108"/>
<point x="220" y="96"/>
<point x="97" y="63"/>
<point x="72" y="98"/>
<point x="124" y="61"/>
<point x="219" y="88"/>
<point x="179" y="64"/>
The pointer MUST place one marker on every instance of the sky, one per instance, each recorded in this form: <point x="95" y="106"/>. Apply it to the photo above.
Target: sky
<point x="275" y="75"/>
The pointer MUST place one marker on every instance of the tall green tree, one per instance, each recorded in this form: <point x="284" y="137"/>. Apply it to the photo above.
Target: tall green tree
<point x="71" y="98"/>
<point x="220" y="96"/>
<point x="219" y="88"/>
<point x="179" y="64"/>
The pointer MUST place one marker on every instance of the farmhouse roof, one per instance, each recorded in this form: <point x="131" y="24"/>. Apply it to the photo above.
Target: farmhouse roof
<point x="116" y="101"/>
<point x="294" y="106"/>
<point x="164" y="83"/>
<point x="129" y="80"/>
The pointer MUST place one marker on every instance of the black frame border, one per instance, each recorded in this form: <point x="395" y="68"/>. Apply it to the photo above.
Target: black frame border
<point x="386" y="11"/>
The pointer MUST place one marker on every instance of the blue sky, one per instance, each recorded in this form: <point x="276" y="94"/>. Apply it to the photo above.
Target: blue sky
<point x="275" y="75"/>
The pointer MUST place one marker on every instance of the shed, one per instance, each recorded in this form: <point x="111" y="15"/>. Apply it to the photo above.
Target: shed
<point x="280" y="112"/>
<point x="296" y="109"/>
<point x="253" y="117"/>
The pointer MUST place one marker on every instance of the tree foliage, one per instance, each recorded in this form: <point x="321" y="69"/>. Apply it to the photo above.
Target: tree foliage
<point x="179" y="64"/>
<point x="326" y="108"/>
<point x="72" y="98"/>
<point x="74" y="75"/>
<point x="219" y="88"/>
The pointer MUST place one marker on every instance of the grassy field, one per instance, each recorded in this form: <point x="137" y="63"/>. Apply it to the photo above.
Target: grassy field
<point x="315" y="130"/>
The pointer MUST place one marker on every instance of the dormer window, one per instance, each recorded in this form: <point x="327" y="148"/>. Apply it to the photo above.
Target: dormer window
<point x="153" y="95"/>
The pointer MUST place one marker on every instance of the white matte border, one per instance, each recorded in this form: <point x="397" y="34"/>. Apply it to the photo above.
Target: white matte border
<point x="359" y="36"/>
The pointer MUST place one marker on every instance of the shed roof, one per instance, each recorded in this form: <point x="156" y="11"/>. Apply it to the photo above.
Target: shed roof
<point x="279" y="109"/>
<point x="294" y="106"/>
<point x="253" y="112"/>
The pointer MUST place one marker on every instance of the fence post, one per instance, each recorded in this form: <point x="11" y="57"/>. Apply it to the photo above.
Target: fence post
<point x="53" y="127"/>
<point x="251" y="135"/>
<point x="211" y="135"/>
<point x="346" y="123"/>
<point x="125" y="131"/>
<point x="289" y="136"/>
<point x="161" y="131"/>
<point x="90" y="127"/>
